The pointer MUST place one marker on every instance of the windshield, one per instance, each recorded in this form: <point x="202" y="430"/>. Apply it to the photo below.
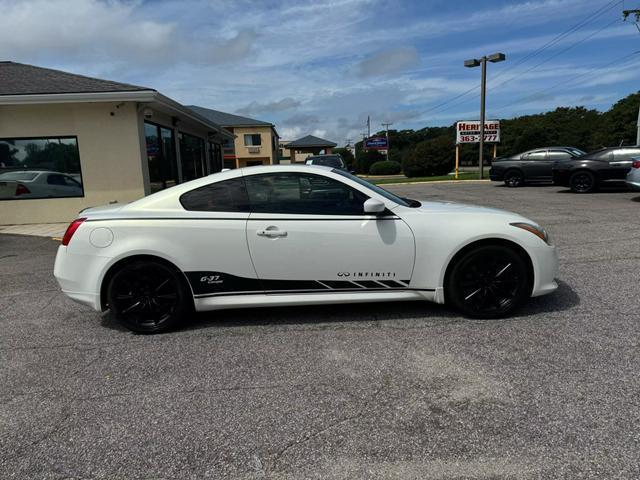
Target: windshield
<point x="24" y="176"/>
<point x="405" y="202"/>
<point x="577" y="152"/>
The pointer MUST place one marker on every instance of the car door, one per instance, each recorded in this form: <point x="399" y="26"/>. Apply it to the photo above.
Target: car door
<point x="213" y="240"/>
<point x="537" y="166"/>
<point x="556" y="155"/>
<point x="308" y="233"/>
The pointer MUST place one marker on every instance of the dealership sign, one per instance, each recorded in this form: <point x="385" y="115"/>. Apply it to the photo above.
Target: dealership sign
<point x="376" y="143"/>
<point x="469" y="132"/>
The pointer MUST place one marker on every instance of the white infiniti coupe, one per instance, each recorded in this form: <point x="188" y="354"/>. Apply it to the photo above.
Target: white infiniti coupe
<point x="297" y="235"/>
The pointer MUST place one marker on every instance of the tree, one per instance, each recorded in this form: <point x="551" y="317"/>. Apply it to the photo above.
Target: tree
<point x="430" y="158"/>
<point x="347" y="156"/>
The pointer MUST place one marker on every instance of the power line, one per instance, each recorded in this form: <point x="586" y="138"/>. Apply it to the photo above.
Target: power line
<point x="557" y="54"/>
<point x="567" y="82"/>
<point x="588" y="19"/>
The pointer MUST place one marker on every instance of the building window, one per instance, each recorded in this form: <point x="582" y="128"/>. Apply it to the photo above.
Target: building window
<point x="252" y="140"/>
<point x="228" y="146"/>
<point x="192" y="157"/>
<point x="161" y="156"/>
<point x="40" y="168"/>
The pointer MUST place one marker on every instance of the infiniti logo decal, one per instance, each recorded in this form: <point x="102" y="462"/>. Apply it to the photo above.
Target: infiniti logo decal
<point x="367" y="274"/>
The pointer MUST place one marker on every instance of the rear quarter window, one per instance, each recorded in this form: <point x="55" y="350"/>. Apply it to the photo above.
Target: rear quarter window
<point x="225" y="196"/>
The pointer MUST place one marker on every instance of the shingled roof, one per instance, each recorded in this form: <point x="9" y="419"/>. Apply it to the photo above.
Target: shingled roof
<point x="22" y="79"/>
<point x="311" y="141"/>
<point x="228" y="119"/>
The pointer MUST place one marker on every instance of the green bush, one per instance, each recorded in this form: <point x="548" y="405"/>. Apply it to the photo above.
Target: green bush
<point x="386" y="167"/>
<point x="430" y="158"/>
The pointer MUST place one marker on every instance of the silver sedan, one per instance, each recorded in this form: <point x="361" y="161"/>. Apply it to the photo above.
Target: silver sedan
<point x="633" y="177"/>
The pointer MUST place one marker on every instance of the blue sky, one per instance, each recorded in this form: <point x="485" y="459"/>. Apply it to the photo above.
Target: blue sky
<point x="323" y="66"/>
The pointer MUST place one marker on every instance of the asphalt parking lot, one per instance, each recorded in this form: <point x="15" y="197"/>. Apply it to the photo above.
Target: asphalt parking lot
<point x="367" y="391"/>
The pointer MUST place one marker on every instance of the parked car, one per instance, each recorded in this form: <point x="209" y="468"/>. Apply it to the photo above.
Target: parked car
<point x="38" y="184"/>
<point x="633" y="177"/>
<point x="297" y="235"/>
<point x="532" y="166"/>
<point x="588" y="172"/>
<point x="329" y="160"/>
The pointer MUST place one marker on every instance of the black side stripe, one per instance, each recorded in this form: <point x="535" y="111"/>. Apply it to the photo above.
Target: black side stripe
<point x="206" y="283"/>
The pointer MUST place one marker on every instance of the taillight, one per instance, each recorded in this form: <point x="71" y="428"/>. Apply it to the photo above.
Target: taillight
<point x="21" y="189"/>
<point x="71" y="229"/>
<point x="636" y="164"/>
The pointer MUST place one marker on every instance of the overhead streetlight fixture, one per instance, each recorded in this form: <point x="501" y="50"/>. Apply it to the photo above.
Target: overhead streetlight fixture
<point x="477" y="62"/>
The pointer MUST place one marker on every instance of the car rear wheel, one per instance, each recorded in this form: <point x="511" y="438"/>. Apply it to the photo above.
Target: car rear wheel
<point x="148" y="296"/>
<point x="513" y="178"/>
<point x="489" y="281"/>
<point x="582" y="182"/>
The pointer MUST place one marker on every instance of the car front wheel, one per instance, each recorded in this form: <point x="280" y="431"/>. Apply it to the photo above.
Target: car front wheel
<point x="582" y="182"/>
<point x="513" y="178"/>
<point x="489" y="281"/>
<point x="147" y="296"/>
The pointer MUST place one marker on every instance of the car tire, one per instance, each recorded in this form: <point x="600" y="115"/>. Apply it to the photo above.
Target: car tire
<point x="148" y="296"/>
<point x="583" y="181"/>
<point x="489" y="281"/>
<point x="513" y="179"/>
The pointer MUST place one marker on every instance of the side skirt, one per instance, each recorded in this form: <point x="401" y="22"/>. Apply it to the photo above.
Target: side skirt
<point x="203" y="304"/>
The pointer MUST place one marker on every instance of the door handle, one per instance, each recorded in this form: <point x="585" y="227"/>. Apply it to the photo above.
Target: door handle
<point x="271" y="233"/>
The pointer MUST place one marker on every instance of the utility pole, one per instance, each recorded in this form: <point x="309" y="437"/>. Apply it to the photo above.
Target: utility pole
<point x="368" y="126"/>
<point x="386" y="129"/>
<point x="626" y="14"/>
<point x="482" y="62"/>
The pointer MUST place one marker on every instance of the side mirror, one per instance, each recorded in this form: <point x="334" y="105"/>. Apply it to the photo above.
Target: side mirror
<point x="374" y="206"/>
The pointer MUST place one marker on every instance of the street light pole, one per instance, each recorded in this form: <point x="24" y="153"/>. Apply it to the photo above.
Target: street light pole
<point x="483" y="94"/>
<point x="482" y="62"/>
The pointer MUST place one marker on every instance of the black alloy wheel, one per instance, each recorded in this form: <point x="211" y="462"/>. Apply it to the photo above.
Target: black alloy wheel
<point x="147" y="296"/>
<point x="489" y="281"/>
<point x="513" y="178"/>
<point x="582" y="182"/>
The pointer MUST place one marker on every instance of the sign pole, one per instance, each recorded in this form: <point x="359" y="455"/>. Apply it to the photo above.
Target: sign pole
<point x="457" y="160"/>
<point x="495" y="152"/>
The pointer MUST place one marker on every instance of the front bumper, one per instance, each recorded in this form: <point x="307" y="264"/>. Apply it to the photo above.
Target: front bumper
<point x="545" y="269"/>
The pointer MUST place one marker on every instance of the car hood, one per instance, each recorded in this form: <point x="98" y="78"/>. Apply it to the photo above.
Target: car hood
<point x="440" y="207"/>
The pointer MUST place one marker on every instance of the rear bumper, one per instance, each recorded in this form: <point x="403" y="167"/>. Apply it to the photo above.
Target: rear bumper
<point x="79" y="276"/>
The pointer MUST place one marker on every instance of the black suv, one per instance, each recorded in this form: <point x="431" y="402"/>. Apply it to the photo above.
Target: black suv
<point x="588" y="172"/>
<point x="332" y="160"/>
<point x="531" y="166"/>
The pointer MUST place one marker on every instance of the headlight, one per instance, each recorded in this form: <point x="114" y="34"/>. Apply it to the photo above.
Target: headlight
<point x="537" y="231"/>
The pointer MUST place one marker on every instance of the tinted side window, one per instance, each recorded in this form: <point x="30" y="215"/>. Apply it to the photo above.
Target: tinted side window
<point x="559" y="155"/>
<point x="225" y="196"/>
<point x="540" y="155"/>
<point x="302" y="193"/>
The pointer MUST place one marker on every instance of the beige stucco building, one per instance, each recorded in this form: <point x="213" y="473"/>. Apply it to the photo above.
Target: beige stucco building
<point x="68" y="142"/>
<point x="255" y="143"/>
